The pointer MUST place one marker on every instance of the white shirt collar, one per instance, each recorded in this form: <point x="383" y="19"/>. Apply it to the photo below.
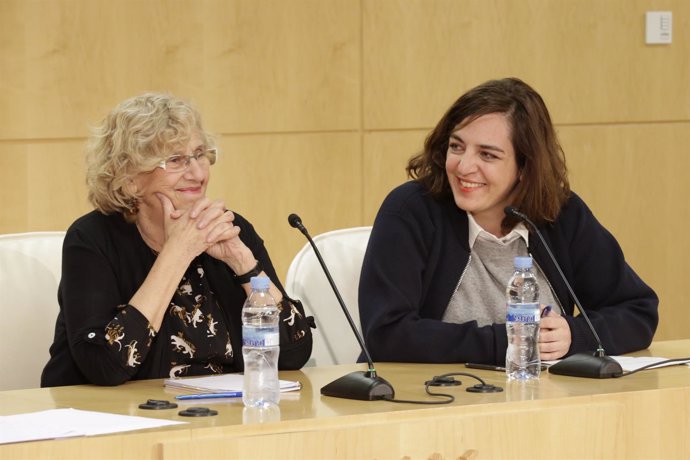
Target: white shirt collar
<point x="475" y="230"/>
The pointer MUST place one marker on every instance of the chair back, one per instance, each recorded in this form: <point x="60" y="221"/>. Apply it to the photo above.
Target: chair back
<point x="30" y="267"/>
<point x="343" y="252"/>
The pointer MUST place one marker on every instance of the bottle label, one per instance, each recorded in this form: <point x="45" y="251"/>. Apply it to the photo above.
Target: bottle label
<point x="260" y="336"/>
<point x="522" y="312"/>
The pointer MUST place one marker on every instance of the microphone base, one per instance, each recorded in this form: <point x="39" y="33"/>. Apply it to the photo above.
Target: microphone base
<point x="359" y="385"/>
<point x="587" y="366"/>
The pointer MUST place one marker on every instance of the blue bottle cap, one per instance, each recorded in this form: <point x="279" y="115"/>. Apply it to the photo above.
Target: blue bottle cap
<point x="260" y="282"/>
<point x="523" y="262"/>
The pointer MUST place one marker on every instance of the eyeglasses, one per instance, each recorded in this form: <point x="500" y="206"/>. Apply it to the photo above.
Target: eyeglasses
<point x="179" y="163"/>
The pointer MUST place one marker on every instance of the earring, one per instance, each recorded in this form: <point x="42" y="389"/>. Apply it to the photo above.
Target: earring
<point x="132" y="206"/>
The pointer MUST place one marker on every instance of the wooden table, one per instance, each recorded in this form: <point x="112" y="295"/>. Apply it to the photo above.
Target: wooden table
<point x="645" y="416"/>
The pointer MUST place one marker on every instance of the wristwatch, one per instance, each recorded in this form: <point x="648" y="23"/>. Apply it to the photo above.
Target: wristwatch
<point x="242" y="279"/>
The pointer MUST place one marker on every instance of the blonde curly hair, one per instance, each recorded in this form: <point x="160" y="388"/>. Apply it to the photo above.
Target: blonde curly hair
<point x="132" y="139"/>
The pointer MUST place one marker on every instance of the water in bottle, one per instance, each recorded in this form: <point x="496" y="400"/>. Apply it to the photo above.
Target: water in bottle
<point x="261" y="414"/>
<point x="522" y="322"/>
<point x="260" y="346"/>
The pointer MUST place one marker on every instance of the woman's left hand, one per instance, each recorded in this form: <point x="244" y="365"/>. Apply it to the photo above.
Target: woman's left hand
<point x="554" y="337"/>
<point x="224" y="240"/>
<point x="233" y="252"/>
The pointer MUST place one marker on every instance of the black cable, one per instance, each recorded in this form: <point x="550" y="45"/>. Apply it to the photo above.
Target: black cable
<point x="450" y="398"/>
<point x="436" y="379"/>
<point x="654" y="365"/>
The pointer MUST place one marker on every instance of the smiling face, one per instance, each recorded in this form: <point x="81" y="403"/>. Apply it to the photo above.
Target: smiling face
<point x="482" y="169"/>
<point x="182" y="188"/>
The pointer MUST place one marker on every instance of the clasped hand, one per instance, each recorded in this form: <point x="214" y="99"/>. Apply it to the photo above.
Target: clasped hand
<point x="205" y="227"/>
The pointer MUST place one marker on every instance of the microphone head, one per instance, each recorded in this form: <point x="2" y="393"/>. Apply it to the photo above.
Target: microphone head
<point x="512" y="211"/>
<point x="295" y="221"/>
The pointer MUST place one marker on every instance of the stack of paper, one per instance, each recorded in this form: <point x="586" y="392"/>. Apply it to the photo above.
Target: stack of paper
<point x="223" y="383"/>
<point x="62" y="423"/>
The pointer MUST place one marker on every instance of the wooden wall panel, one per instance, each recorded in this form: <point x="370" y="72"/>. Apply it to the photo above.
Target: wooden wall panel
<point x="45" y="185"/>
<point x="326" y="100"/>
<point x="282" y="66"/>
<point x="386" y="155"/>
<point x="267" y="177"/>
<point x="253" y="66"/>
<point x="587" y="57"/>
<point x="56" y="189"/>
<point x="13" y="212"/>
<point x="74" y="59"/>
<point x="633" y="177"/>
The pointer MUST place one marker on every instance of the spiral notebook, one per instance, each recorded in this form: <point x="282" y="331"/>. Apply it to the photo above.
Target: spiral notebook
<point x="222" y="383"/>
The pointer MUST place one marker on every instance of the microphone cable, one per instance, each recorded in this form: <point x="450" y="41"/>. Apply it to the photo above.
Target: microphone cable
<point x="447" y="380"/>
<point x="655" y="365"/>
<point x="483" y="387"/>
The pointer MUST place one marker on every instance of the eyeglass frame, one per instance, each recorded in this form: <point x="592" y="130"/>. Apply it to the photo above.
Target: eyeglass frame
<point x="188" y="159"/>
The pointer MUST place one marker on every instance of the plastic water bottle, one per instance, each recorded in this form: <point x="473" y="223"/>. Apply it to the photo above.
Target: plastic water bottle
<point x="260" y="346"/>
<point x="261" y="414"/>
<point x="522" y="322"/>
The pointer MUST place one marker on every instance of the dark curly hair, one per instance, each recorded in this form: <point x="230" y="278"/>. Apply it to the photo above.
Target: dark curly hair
<point x="544" y="187"/>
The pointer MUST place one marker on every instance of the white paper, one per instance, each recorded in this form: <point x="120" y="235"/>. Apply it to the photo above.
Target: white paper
<point x="62" y="423"/>
<point x="632" y="363"/>
<point x="222" y="383"/>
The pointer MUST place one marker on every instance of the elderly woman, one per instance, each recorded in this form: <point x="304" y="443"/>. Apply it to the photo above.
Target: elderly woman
<point x="441" y="251"/>
<point x="154" y="279"/>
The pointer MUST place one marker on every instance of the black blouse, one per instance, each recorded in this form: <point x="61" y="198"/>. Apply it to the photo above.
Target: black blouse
<point x="101" y="340"/>
<point x="199" y="339"/>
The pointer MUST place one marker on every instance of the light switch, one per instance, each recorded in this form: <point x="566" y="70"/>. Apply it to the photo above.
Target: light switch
<point x="659" y="30"/>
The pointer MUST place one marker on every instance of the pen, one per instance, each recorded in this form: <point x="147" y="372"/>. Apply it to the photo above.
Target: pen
<point x="546" y="310"/>
<point x="231" y="394"/>
<point x="486" y="367"/>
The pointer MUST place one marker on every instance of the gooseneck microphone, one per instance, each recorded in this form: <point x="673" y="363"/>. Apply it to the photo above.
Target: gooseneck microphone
<point x="597" y="365"/>
<point x="363" y="385"/>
